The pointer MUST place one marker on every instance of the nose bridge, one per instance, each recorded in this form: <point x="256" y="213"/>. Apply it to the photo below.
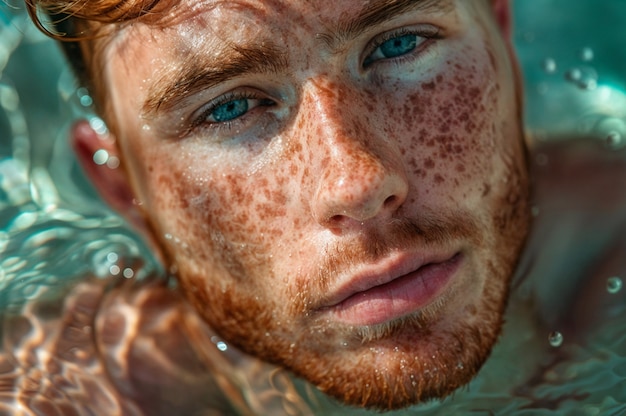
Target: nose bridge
<point x="359" y="178"/>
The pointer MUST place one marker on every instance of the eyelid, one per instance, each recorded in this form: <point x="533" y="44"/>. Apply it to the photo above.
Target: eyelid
<point x="199" y="116"/>
<point x="425" y="31"/>
<point x="197" y="122"/>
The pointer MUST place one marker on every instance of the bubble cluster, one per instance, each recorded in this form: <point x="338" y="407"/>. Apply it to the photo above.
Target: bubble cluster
<point x="583" y="77"/>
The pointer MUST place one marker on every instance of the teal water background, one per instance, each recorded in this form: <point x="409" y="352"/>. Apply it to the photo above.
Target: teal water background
<point x="54" y="229"/>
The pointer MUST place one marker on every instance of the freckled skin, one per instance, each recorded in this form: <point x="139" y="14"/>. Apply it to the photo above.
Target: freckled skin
<point x="352" y="166"/>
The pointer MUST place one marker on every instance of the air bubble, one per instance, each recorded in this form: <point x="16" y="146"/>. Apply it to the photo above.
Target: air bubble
<point x="613" y="285"/>
<point x="615" y="140"/>
<point x="585" y="78"/>
<point x="586" y="54"/>
<point x="612" y="130"/>
<point x="222" y="346"/>
<point x="555" y="338"/>
<point x="549" y="65"/>
<point x="128" y="273"/>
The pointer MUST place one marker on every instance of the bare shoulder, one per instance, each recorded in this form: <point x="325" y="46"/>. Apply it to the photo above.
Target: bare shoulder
<point x="577" y="241"/>
<point x="583" y="169"/>
<point x="100" y="349"/>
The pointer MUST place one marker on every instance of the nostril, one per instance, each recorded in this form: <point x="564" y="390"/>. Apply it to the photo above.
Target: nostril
<point x="391" y="201"/>
<point x="335" y="219"/>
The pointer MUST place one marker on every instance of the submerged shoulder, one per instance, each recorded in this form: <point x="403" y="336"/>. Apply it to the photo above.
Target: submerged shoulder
<point x="577" y="240"/>
<point x="113" y="349"/>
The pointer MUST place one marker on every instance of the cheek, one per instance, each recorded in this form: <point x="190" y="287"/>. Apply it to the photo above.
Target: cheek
<point x="449" y="126"/>
<point x="230" y="215"/>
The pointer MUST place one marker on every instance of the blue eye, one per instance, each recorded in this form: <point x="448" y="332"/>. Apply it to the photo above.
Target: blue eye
<point x="398" y="46"/>
<point x="230" y="110"/>
<point x="395" y="46"/>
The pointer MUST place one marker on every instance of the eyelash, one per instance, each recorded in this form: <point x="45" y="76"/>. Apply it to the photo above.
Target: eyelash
<point x="217" y="127"/>
<point x="426" y="33"/>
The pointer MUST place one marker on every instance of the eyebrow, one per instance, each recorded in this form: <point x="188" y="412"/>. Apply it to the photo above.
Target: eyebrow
<point x="375" y="14"/>
<point x="196" y="73"/>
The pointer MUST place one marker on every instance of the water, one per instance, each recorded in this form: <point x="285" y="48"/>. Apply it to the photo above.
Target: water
<point x="54" y="232"/>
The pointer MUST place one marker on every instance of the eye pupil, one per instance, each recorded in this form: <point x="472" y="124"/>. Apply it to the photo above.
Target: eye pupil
<point x="398" y="46"/>
<point x="230" y="110"/>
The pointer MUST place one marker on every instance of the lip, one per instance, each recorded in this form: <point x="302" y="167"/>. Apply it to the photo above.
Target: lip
<point x="393" y="288"/>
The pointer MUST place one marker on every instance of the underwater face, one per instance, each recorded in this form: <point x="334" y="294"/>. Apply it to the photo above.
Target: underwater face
<point x="340" y="186"/>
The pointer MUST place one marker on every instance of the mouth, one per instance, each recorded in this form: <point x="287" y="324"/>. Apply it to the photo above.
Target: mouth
<point x="392" y="290"/>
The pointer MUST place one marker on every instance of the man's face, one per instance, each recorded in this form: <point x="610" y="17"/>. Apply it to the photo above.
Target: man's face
<point x="339" y="185"/>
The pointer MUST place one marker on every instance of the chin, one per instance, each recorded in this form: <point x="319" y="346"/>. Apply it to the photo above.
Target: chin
<point x="407" y="362"/>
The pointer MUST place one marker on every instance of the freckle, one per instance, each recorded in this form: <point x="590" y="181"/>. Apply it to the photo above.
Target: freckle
<point x="470" y="310"/>
<point x="460" y="168"/>
<point x="428" y="86"/>
<point x="429" y="163"/>
<point x="439" y="179"/>
<point x="486" y="189"/>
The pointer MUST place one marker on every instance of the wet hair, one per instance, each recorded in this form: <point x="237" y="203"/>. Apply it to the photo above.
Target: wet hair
<point x="78" y="25"/>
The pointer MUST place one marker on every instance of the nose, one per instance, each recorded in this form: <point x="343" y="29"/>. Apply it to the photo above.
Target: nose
<point x="361" y="177"/>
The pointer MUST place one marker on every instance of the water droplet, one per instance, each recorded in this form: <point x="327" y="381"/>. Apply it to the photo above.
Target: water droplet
<point x="113" y="162"/>
<point x="586" y="54"/>
<point x="100" y="157"/>
<point x="555" y="338"/>
<point x="613" y="285"/>
<point x="86" y="101"/>
<point x="549" y="65"/>
<point x="98" y="125"/>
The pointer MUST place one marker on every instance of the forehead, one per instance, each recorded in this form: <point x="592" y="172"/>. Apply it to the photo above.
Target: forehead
<point x="190" y="24"/>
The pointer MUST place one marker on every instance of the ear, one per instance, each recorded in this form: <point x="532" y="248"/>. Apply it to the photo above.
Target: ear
<point x="99" y="157"/>
<point x="502" y="12"/>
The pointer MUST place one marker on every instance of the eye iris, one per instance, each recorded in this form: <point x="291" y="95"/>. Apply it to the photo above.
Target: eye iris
<point x="230" y="110"/>
<point x="398" y="46"/>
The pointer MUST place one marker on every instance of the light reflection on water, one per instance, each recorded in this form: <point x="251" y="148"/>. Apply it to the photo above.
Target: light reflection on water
<point x="53" y="231"/>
